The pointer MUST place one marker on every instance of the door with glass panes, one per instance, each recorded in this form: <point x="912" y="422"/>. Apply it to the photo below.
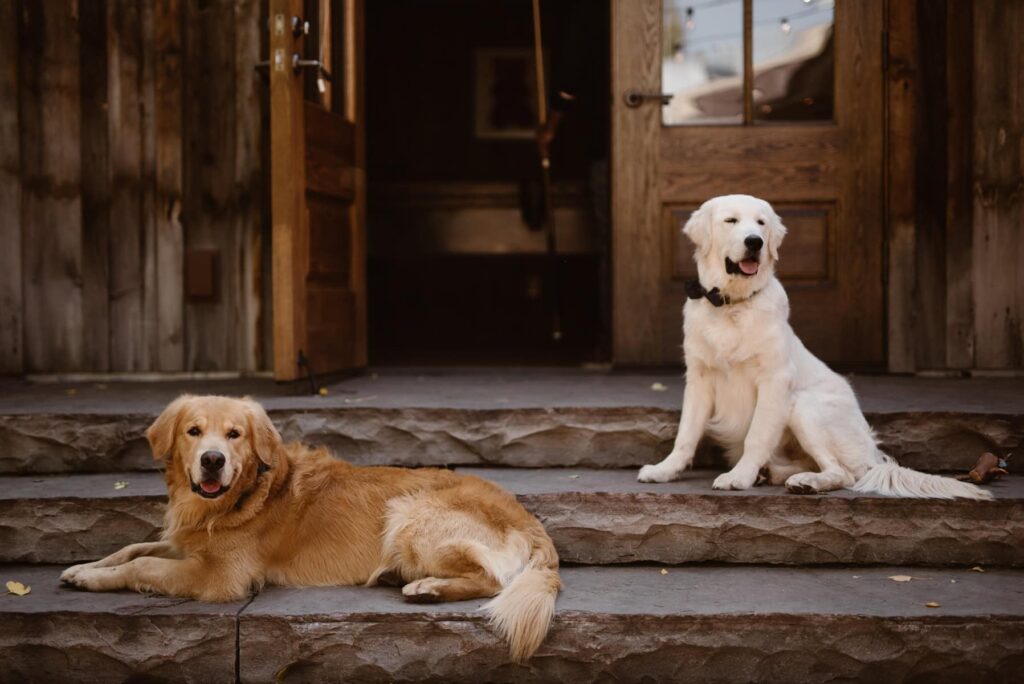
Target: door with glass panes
<point x="782" y="99"/>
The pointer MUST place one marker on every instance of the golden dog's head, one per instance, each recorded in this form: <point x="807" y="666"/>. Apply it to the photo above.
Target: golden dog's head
<point x="219" y="444"/>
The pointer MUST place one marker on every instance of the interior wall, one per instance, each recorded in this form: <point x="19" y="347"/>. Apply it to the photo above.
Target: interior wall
<point x="131" y="137"/>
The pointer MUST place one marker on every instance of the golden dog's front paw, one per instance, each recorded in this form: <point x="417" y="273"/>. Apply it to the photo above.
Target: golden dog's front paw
<point x="87" y="577"/>
<point x="426" y="590"/>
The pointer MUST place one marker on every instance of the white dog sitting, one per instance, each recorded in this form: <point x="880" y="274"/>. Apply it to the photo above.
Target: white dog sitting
<point x="753" y="387"/>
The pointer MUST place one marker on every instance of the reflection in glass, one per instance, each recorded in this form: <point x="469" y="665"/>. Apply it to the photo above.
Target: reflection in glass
<point x="702" y="61"/>
<point x="793" y="59"/>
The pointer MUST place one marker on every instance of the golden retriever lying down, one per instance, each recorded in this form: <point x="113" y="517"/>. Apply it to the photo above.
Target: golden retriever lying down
<point x="245" y="509"/>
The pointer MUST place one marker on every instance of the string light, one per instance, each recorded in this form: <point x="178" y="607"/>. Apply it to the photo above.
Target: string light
<point x="690" y="23"/>
<point x="785" y="26"/>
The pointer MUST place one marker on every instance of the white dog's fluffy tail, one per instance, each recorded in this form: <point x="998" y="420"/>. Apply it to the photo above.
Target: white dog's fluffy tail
<point x="889" y="479"/>
<point x="523" y="610"/>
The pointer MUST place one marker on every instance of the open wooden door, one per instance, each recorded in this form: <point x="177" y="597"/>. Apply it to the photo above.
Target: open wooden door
<point x="318" y="193"/>
<point x="782" y="99"/>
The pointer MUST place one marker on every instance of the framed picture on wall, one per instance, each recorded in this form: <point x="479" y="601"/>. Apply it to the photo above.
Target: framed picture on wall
<point x="505" y="94"/>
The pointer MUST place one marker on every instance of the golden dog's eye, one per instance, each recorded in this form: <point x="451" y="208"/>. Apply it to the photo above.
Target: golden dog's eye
<point x="731" y="220"/>
<point x="194" y="431"/>
<point x="233" y="434"/>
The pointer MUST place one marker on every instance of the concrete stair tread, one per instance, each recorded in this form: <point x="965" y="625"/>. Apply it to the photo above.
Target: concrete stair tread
<point x="594" y="517"/>
<point x="629" y="623"/>
<point x="491" y="389"/>
<point x="524" y="418"/>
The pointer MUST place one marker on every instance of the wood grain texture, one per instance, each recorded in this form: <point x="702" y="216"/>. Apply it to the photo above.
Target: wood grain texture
<point x="95" y="186"/>
<point x="10" y="194"/>
<point x="998" y="152"/>
<point x="903" y="98"/>
<point x="354" y="49"/>
<point x="248" y="183"/>
<point x="51" y="215"/>
<point x="636" y="239"/>
<point x="124" y="126"/>
<point x="959" y="230"/>
<point x="168" y="181"/>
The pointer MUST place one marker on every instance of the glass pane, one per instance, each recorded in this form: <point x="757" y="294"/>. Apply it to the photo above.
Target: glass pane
<point x="702" y="61"/>
<point x="794" y="63"/>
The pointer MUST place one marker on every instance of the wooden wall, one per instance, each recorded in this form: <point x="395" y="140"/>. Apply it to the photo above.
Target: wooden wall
<point x="130" y="134"/>
<point x="956" y="185"/>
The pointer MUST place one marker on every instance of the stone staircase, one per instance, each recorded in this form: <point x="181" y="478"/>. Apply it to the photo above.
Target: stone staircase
<point x="662" y="582"/>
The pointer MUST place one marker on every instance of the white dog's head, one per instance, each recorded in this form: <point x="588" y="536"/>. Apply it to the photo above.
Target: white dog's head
<point x="737" y="240"/>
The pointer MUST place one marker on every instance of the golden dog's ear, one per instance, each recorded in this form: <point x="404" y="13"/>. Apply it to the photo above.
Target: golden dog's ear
<point x="776" y="232"/>
<point x="698" y="229"/>
<point x="163" y="430"/>
<point x="266" y="440"/>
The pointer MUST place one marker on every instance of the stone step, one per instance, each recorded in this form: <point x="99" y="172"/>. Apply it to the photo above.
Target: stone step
<point x="594" y="516"/>
<point x="531" y="418"/>
<point x="624" y="624"/>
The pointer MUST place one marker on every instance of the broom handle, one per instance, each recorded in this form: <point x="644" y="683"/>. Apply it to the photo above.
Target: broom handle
<point x="545" y="164"/>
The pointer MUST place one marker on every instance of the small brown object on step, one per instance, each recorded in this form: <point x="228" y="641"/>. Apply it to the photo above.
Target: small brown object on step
<point x="989" y="467"/>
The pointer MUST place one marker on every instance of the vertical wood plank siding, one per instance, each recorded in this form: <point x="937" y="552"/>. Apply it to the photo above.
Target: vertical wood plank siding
<point x="130" y="131"/>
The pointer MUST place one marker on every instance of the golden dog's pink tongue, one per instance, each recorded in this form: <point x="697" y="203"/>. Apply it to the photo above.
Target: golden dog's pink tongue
<point x="210" y="486"/>
<point x="749" y="266"/>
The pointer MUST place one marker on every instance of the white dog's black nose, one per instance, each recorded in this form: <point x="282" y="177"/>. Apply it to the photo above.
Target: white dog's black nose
<point x="212" y="460"/>
<point x="753" y="242"/>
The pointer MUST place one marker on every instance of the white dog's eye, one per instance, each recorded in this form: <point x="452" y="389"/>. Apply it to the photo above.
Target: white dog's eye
<point x="731" y="220"/>
<point x="194" y="431"/>
<point x="760" y="222"/>
<point x="233" y="434"/>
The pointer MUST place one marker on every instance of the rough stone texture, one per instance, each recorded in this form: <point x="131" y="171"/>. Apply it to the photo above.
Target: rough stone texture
<point x="594" y="517"/>
<point x="613" y="437"/>
<point x="637" y="625"/>
<point x="56" y="634"/>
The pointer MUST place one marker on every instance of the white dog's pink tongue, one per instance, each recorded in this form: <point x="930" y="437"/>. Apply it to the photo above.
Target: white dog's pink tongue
<point x="749" y="266"/>
<point x="210" y="486"/>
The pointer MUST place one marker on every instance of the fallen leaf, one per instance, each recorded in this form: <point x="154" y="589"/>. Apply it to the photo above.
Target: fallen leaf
<point x="952" y="581"/>
<point x="574" y="477"/>
<point x="658" y="387"/>
<point x="120" y="484"/>
<point x="664" y="571"/>
<point x="17" y="588"/>
<point x="931" y="604"/>
<point x="324" y="392"/>
<point x="856" y="577"/>
<point x="900" y="578"/>
<point x="977" y="568"/>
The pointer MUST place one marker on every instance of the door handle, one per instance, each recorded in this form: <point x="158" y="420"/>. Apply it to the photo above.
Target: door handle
<point x="635" y="98"/>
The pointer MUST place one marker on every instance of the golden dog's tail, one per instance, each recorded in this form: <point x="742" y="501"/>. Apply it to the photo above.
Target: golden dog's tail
<point x="889" y="479"/>
<point x="523" y="610"/>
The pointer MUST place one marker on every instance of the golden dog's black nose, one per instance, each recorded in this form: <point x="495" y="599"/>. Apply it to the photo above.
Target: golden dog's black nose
<point x="212" y="460"/>
<point x="753" y="242"/>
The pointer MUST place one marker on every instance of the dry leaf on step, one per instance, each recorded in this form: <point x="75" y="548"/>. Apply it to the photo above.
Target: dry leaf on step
<point x="977" y="568"/>
<point x="931" y="604"/>
<point x="658" y="387"/>
<point x="17" y="588"/>
<point x="664" y="571"/>
<point x="900" y="578"/>
<point x="120" y="484"/>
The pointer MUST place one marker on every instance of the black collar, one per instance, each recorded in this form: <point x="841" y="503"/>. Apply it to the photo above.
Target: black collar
<point x="694" y="290"/>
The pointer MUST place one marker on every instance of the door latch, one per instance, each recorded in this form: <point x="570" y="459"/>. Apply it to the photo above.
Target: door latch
<point x="635" y="98"/>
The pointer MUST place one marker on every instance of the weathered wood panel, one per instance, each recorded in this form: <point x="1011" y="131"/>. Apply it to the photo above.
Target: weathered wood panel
<point x="998" y="250"/>
<point x="127" y="233"/>
<point x="51" y="182"/>
<point x="10" y="193"/>
<point x="169" y="234"/>
<point x="95" y="186"/>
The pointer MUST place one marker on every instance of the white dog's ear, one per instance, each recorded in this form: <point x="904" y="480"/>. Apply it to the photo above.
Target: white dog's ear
<point x="776" y="232"/>
<point x="698" y="229"/>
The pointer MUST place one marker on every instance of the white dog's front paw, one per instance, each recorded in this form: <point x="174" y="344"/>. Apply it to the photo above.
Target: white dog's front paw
<point x="70" y="575"/>
<point x="657" y="473"/>
<point x="735" y="480"/>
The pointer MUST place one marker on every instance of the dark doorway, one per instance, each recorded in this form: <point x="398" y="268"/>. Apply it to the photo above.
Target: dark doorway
<point x="456" y="275"/>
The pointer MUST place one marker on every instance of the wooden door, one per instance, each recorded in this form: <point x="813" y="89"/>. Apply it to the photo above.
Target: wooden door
<point x="318" y="187"/>
<point x="759" y="126"/>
